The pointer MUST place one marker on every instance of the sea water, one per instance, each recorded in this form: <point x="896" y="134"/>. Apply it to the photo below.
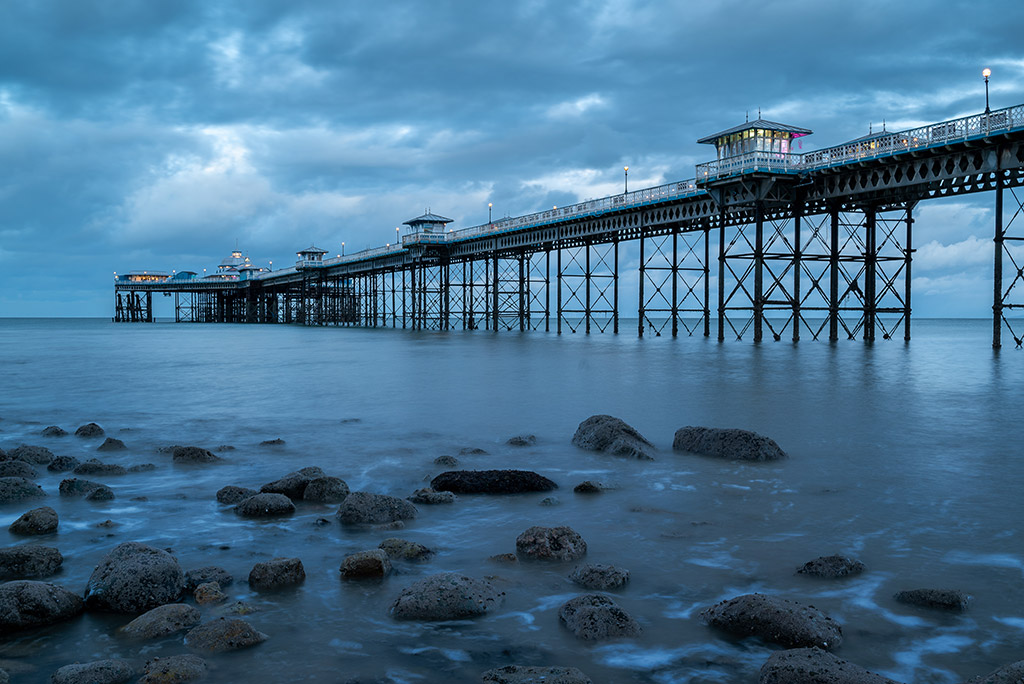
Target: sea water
<point x="904" y="456"/>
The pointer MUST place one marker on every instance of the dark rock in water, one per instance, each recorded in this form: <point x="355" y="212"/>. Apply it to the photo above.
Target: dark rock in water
<point x="27" y="603"/>
<point x="54" y="431"/>
<point x="222" y="635"/>
<point x="101" y="493"/>
<point x="265" y="505"/>
<point x="446" y="596"/>
<point x="814" y="666"/>
<point x="595" y="617"/>
<point x="15" y="489"/>
<point x="428" y="497"/>
<point x="31" y="454"/>
<point x="831" y="567"/>
<point x="223" y="447"/>
<point x="943" y="599"/>
<point x="612" y="435"/>
<point x="162" y="621"/>
<point x="522" y="440"/>
<point x="62" y="464"/>
<point x="472" y="451"/>
<point x="277" y="574"/>
<point x="446" y="461"/>
<point x="17" y="469"/>
<point x="550" y="501"/>
<point x="272" y="442"/>
<point x="111" y="444"/>
<point x="402" y="549"/>
<point x="593" y="576"/>
<point x="173" y="669"/>
<point x="95" y="467"/>
<point x="741" y="445"/>
<point x="209" y="592"/>
<point x="1007" y="674"/>
<point x="366" y="565"/>
<point x="193" y="454"/>
<point x="77" y="487"/>
<point x="208" y="573"/>
<point x="37" y="521"/>
<point x="504" y="558"/>
<point x="551" y="544"/>
<point x="588" y="487"/>
<point x="233" y="495"/>
<point x="293" y="485"/>
<point x="166" y="449"/>
<point x="360" y="508"/>
<point x="787" y="623"/>
<point x="134" y="578"/>
<point x="491" y="482"/>
<point x="89" y="430"/>
<point x="24" y="562"/>
<point x="142" y="468"/>
<point x="529" y="674"/>
<point x="96" y="672"/>
<point x="326" y="490"/>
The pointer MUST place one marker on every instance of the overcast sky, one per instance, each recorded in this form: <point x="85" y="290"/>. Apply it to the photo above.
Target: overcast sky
<point x="159" y="133"/>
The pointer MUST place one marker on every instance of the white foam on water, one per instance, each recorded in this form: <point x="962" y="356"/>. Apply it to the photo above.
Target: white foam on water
<point x="727" y="485"/>
<point x="526" y="619"/>
<point x="1011" y="621"/>
<point x="911" y="660"/>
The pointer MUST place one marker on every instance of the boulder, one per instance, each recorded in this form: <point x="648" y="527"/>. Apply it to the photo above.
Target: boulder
<point x="101" y="493"/>
<point x="76" y="487"/>
<point x="595" y="617"/>
<point x="23" y="562"/>
<point x="209" y="592"/>
<point x="223" y="634"/>
<point x="89" y="430"/>
<point x="740" y="445"/>
<point x="193" y="454"/>
<point x="62" y="464"/>
<point x="207" y="573"/>
<point x="522" y="441"/>
<point x="162" y="621"/>
<point x="588" y="487"/>
<point x="31" y="454"/>
<point x="491" y="482"/>
<point x="814" y="666"/>
<point x="264" y="505"/>
<point x="1007" y="674"/>
<point x="293" y="485"/>
<point x="134" y="578"/>
<point x="15" y="489"/>
<point x="942" y="599"/>
<point x="787" y="623"/>
<point x="613" y="436"/>
<point x="506" y="558"/>
<point x="27" y="603"/>
<point x="831" y="567"/>
<point x="142" y="468"/>
<point x="429" y="497"/>
<point x="366" y="565"/>
<point x="111" y="444"/>
<point x="17" y="469"/>
<point x="233" y="495"/>
<point x="446" y="596"/>
<point x="326" y="490"/>
<point x="551" y="544"/>
<point x="603" y="577"/>
<point x="272" y="442"/>
<point x="401" y="549"/>
<point x="54" y="431"/>
<point x="366" y="508"/>
<point x="96" y="672"/>
<point x="529" y="674"/>
<point x="37" y="521"/>
<point x="277" y="574"/>
<point x="95" y="467"/>
<point x="550" y="501"/>
<point x="173" y="669"/>
<point x="446" y="461"/>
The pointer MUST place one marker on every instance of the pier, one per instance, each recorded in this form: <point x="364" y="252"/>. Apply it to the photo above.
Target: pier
<point x="812" y="245"/>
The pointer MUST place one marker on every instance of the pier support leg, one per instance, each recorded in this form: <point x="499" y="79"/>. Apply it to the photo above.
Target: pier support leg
<point x="721" y="276"/>
<point x="758" y="271"/>
<point x="870" y="273"/>
<point x="797" y="267"/>
<point x="833" y="288"/>
<point x="707" y="280"/>
<point x="908" y="252"/>
<point x="997" y="269"/>
<point x="675" y="282"/>
<point x="640" y="315"/>
<point x="558" y="287"/>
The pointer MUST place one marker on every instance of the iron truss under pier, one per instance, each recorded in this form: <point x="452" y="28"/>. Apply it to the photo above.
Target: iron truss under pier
<point x="816" y="245"/>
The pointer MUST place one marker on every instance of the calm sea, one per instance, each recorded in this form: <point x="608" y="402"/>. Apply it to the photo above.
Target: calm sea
<point x="907" y="457"/>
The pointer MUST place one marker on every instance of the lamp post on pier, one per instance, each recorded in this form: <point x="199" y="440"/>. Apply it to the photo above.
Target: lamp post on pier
<point x="986" y="73"/>
<point x="397" y="240"/>
<point x="625" y="180"/>
<point x="490" y="205"/>
<point x="342" y="249"/>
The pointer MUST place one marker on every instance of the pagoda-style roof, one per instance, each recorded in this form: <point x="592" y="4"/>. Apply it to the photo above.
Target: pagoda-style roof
<point x="427" y="218"/>
<point x="313" y="249"/>
<point x="869" y="137"/>
<point x="762" y="124"/>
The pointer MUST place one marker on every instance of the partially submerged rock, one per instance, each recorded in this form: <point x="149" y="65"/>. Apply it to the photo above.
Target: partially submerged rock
<point x="446" y="596"/>
<point x="942" y="599"/>
<point x="37" y="521"/>
<point x="522" y="441"/>
<point x="814" y="666"/>
<point x="31" y="454"/>
<point x="277" y="574"/>
<point x="402" y="549"/>
<point x="293" y="485"/>
<point x="736" y="444"/>
<point x="173" y="669"/>
<point x="207" y="573"/>
<point x="613" y="436"/>
<point x="589" y="487"/>
<point x="491" y="482"/>
<point x="62" y="464"/>
<point x="272" y="442"/>
<point x="96" y="467"/>
<point x="531" y="674"/>
<point x="326" y="489"/>
<point x="134" y="578"/>
<point x="109" y="671"/>
<point x="372" y="564"/>
<point x="209" y="592"/>
<point x="28" y="603"/>
<point x="603" y="577"/>
<point x="16" y="489"/>
<point x="89" y="430"/>
<point x="222" y="635"/>
<point x="17" y="469"/>
<point x="193" y="454"/>
<point x="361" y="508"/>
<point x="429" y="497"/>
<point x="162" y="621"/>
<point x="54" y="431"/>
<point x="1007" y="674"/>
<point x="787" y="623"/>
<point x="831" y="567"/>
<point x="77" y="487"/>
<point x="446" y="461"/>
<point x="24" y="562"/>
<point x="233" y="495"/>
<point x="595" y="617"/>
<point x="111" y="444"/>
<point x="101" y="493"/>
<point x="265" y="505"/>
<point x="551" y="544"/>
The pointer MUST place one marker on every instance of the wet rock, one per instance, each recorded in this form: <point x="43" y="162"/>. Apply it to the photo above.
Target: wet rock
<point x="142" y="468"/>
<point x="17" y="469"/>
<point x="402" y="549"/>
<point x="207" y="573"/>
<point x="613" y="436"/>
<point x="472" y="451"/>
<point x="326" y="490"/>
<point x="814" y="666"/>
<point x="446" y="461"/>
<point x="1008" y="674"/>
<point x="366" y="565"/>
<point x="62" y="464"/>
<point x="23" y="562"/>
<point x="446" y="596"/>
<point x="54" y="431"/>
<point x="595" y="617"/>
<point x="265" y="505"/>
<point x="173" y="669"/>
<point x="134" y="578"/>
<point x="277" y="574"/>
<point x="272" y="442"/>
<point x="193" y="454"/>
<point x="550" y="501"/>
<point x="491" y="482"/>
<point x="223" y="447"/>
<point x="428" y="497"/>
<point x="162" y="621"/>
<point x="293" y="485"/>
<point x="111" y="444"/>
<point x="594" y="576"/>
<point x="222" y="635"/>
<point x="522" y="441"/>
<point x="943" y="599"/>
<point x="787" y="623"/>
<point x="15" y="489"/>
<point x="241" y="608"/>
<point x="37" y="521"/>
<point x="233" y="495"/>
<point x="588" y="487"/>
<point x="76" y="487"/>
<point x="529" y="674"/>
<point x="31" y="454"/>
<point x="101" y="493"/>
<point x="741" y="445"/>
<point x="96" y="672"/>
<point x="209" y="592"/>
<point x="831" y="567"/>
<point x="89" y="430"/>
<point x="504" y="558"/>
<point x="551" y="544"/>
<point x="95" y="467"/>
<point x="366" y="508"/>
<point x="28" y="603"/>
<point x="107" y="524"/>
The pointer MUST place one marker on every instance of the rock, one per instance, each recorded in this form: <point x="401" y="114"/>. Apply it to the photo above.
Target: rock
<point x="504" y="558"/>
<point x="108" y="523"/>
<point x="1007" y="674"/>
<point x="54" y="431"/>
<point x="366" y="508"/>
<point x="588" y="487"/>
<point x="96" y="672"/>
<point x="134" y="578"/>
<point x="15" y="489"/>
<point x="326" y="490"/>
<point x="593" y="576"/>
<point x="62" y="464"/>
<point x="233" y="495"/>
<point x="401" y="549"/>
<point x="831" y="567"/>
<point x="209" y="592"/>
<point x="523" y="674"/>
<point x="550" y="501"/>
<point x="241" y="608"/>
<point x="551" y="544"/>
<point x="162" y="621"/>
<point x="727" y="443"/>
<point x="27" y="603"/>
<point x="522" y="441"/>
<point x="472" y="451"/>
<point x="446" y="596"/>
<point x="612" y="435"/>
<point x="491" y="482"/>
<point x="95" y="467"/>
<point x="193" y="454"/>
<point x="17" y="469"/>
<point x="89" y="430"/>
<point x="595" y="617"/>
<point x="272" y="442"/>
<point x="37" y="521"/>
<point x="293" y="485"/>
<point x="101" y="493"/>
<point x="207" y="573"/>
<point x="264" y="505"/>
<point x="173" y="669"/>
<point x="76" y="487"/>
<point x="429" y="497"/>
<point x="814" y="666"/>
<point x="31" y="454"/>
<point x="787" y="623"/>
<point x="277" y="574"/>
<point x="111" y="444"/>
<point x="943" y="599"/>
<point x="23" y="562"/>
<point x="366" y="564"/>
<point x="223" y="634"/>
<point x="142" y="468"/>
<point x="446" y="461"/>
<point x="223" y="447"/>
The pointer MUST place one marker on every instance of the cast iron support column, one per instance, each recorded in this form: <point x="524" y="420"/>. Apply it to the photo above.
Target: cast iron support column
<point x="494" y="293"/>
<point x="721" y="276"/>
<point x="797" y="216"/>
<point x="907" y="259"/>
<point x="997" y="270"/>
<point x="758" y="271"/>
<point x="643" y="275"/>
<point x="413" y="303"/>
<point x="587" y="281"/>
<point x="394" y="308"/>
<point x="707" y="278"/>
<point x="870" y="270"/>
<point x="547" y="289"/>
<point x="675" y="281"/>
<point x="558" y="290"/>
<point x="833" y="286"/>
<point x="615" y="289"/>
<point x="522" y="294"/>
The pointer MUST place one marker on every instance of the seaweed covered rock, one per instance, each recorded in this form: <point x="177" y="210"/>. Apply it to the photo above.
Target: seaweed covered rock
<point x="17" y="469"/>
<point x="222" y="635"/>
<point x="234" y="495"/>
<point x="277" y="574"/>
<point x="787" y="623"/>
<point x="326" y="489"/>
<point x="941" y="599"/>
<point x="402" y="549"/>
<point x="446" y="596"/>
<point x="741" y="445"/>
<point x="532" y="674"/>
<point x="603" y="577"/>
<point x="134" y="578"/>
<point x="491" y="482"/>
<point x="173" y="669"/>
<point x="831" y="567"/>
<point x="28" y="603"/>
<point x="595" y="617"/>
<point x="111" y="671"/>
<point x="77" y="487"/>
<point x="372" y="564"/>
<point x="31" y="454"/>
<point x="24" y="562"/>
<point x="265" y="505"/>
<point x="37" y="521"/>
<point x="162" y="621"/>
<point x="430" y="497"/>
<point x="613" y="436"/>
<point x="96" y="467"/>
<point x="293" y="485"/>
<point x="193" y="454"/>
<point x="207" y="573"/>
<point x="17" y="489"/>
<point x="360" y="508"/>
<point x="814" y="666"/>
<point x="62" y="464"/>
<point x="551" y="544"/>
